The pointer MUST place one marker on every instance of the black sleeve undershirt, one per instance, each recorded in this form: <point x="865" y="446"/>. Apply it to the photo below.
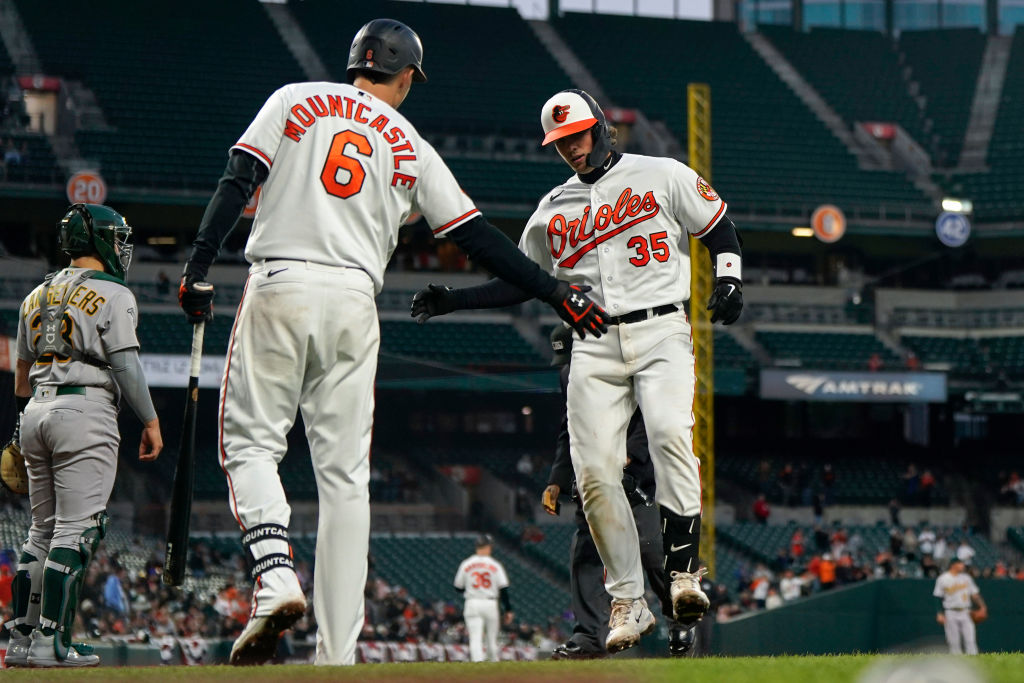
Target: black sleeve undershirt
<point x="242" y="176"/>
<point x="722" y="239"/>
<point x="506" y="604"/>
<point x="489" y="247"/>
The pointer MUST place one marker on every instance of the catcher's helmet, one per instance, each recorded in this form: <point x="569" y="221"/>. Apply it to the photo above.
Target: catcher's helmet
<point x="484" y="540"/>
<point x="89" y="229"/>
<point x="386" y="46"/>
<point x="561" y="344"/>
<point x="571" y="111"/>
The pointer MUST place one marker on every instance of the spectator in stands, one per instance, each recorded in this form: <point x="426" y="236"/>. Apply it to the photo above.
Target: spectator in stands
<point x="790" y="586"/>
<point x="911" y="484"/>
<point x="525" y="465"/>
<point x="941" y="551"/>
<point x="803" y="483"/>
<point x="895" y="542"/>
<point x="894" y="512"/>
<point x="929" y="567"/>
<point x="787" y="484"/>
<point x="910" y="544"/>
<point x="822" y="542"/>
<point x="773" y="599"/>
<point x="114" y="596"/>
<point x="965" y="553"/>
<point x="927" y="488"/>
<point x="1012" y="491"/>
<point x="926" y="541"/>
<point x="875" y="362"/>
<point x="913" y="363"/>
<point x="6" y="577"/>
<point x="761" y="509"/>
<point x="818" y="507"/>
<point x="796" y="545"/>
<point x="163" y="284"/>
<point x="12" y="155"/>
<point x="838" y="541"/>
<point x="827" y="572"/>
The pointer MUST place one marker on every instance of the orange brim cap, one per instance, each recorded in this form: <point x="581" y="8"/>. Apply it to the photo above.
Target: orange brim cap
<point x="568" y="129"/>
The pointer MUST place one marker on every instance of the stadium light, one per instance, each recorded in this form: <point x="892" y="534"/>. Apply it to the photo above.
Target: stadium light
<point x="955" y="205"/>
<point x="803" y="232"/>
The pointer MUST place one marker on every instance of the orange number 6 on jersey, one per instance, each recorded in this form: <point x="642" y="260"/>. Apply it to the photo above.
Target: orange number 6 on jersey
<point x="336" y="159"/>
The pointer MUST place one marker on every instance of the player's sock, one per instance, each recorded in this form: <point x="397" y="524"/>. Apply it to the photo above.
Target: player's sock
<point x="681" y="541"/>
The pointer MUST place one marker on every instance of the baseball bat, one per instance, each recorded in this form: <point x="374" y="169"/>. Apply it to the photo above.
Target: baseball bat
<point x="185" y="474"/>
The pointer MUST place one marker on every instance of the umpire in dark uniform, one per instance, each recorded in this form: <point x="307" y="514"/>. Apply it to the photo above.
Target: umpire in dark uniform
<point x="590" y="602"/>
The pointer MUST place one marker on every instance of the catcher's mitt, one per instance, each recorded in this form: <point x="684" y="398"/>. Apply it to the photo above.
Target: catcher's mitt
<point x="979" y="615"/>
<point x="13" y="474"/>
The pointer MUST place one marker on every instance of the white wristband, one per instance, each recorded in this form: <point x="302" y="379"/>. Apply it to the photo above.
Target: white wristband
<point x="728" y="265"/>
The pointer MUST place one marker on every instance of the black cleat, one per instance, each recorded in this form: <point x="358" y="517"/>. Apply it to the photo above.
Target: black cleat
<point x="573" y="650"/>
<point x="681" y="639"/>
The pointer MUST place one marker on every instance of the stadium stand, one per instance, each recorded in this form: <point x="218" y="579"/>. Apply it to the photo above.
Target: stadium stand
<point x="177" y="100"/>
<point x="766" y="541"/>
<point x="862" y="480"/>
<point x="970" y="356"/>
<point x="469" y="343"/>
<point x="774" y="155"/>
<point x="997" y="194"/>
<point x="494" y="46"/>
<point x="435" y="558"/>
<point x="857" y="72"/>
<point x="946" y="64"/>
<point x="36" y="162"/>
<point x="834" y="350"/>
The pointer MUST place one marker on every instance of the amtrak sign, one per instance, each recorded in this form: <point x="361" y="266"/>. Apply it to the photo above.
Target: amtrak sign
<point x="860" y="387"/>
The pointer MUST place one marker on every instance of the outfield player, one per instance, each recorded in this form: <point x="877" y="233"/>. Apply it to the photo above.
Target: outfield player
<point x="586" y="574"/>
<point x="956" y="590"/>
<point x="620" y="225"/>
<point x="341" y="171"/>
<point x="482" y="581"/>
<point x="77" y="357"/>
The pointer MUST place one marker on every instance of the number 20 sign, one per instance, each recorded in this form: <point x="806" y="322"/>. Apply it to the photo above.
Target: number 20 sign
<point x="86" y="187"/>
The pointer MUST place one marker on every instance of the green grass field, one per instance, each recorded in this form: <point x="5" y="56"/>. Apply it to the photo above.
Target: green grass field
<point x="994" y="668"/>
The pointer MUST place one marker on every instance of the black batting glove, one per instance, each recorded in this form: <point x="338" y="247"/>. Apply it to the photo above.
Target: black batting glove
<point x="432" y="301"/>
<point x="196" y="298"/>
<point x="726" y="300"/>
<point x="577" y="309"/>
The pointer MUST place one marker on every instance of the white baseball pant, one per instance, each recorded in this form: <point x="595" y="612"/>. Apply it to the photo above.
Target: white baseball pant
<point x="306" y="337"/>
<point x="481" y="615"/>
<point x="961" y="633"/>
<point x="649" y="363"/>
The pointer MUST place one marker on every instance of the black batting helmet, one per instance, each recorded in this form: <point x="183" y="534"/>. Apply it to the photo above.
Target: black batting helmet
<point x="561" y="345"/>
<point x="484" y="540"/>
<point x="386" y="46"/>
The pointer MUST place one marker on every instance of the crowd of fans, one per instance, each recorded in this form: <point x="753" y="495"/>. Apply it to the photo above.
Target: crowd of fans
<point x="828" y="558"/>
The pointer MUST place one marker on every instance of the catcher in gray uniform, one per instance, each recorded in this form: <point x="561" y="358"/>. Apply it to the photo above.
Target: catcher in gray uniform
<point x="77" y="357"/>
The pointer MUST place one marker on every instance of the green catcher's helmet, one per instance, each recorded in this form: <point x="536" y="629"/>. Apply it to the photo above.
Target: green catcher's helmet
<point x="88" y="229"/>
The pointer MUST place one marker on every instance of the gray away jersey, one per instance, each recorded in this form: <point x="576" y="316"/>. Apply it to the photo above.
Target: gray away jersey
<point x="100" y="319"/>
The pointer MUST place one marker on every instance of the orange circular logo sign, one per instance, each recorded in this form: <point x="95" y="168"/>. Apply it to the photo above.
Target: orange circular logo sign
<point x="705" y="190"/>
<point x="86" y="187"/>
<point x="560" y="112"/>
<point x="828" y="223"/>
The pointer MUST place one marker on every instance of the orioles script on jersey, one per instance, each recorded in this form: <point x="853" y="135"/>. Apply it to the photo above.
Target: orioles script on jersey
<point x="609" y="220"/>
<point x="342" y="107"/>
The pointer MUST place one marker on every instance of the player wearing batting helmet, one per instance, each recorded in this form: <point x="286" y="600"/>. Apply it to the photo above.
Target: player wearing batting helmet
<point x="619" y="228"/>
<point x="341" y="170"/>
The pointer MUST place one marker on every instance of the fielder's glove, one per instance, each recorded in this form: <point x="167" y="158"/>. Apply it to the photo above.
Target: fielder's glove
<point x="13" y="473"/>
<point x="726" y="300"/>
<point x="432" y="301"/>
<point x="196" y="299"/>
<point x="979" y="615"/>
<point x="576" y="308"/>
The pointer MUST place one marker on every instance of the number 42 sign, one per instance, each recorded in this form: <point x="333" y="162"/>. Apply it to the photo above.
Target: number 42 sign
<point x="86" y="187"/>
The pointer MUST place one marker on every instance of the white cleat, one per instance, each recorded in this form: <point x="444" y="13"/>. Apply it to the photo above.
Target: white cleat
<point x="630" y="619"/>
<point x="41" y="653"/>
<point x="258" y="641"/>
<point x="17" y="650"/>
<point x="689" y="603"/>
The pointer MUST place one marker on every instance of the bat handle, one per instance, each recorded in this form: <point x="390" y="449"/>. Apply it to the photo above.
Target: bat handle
<point x="197" y="348"/>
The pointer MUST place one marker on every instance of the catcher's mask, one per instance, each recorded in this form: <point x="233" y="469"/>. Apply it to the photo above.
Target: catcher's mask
<point x="571" y="111"/>
<point x="88" y="229"/>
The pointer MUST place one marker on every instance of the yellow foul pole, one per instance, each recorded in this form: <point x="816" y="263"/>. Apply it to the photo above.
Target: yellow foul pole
<point x="698" y="118"/>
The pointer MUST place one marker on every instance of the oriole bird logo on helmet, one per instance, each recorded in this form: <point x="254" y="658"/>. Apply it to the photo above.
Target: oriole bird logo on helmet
<point x="559" y="112"/>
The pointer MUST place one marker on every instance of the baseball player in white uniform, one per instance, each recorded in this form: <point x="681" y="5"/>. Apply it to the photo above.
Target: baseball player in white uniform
<point x="341" y="171"/>
<point x="619" y="228"/>
<point x="956" y="590"/>
<point x="78" y="356"/>
<point x="483" y="581"/>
